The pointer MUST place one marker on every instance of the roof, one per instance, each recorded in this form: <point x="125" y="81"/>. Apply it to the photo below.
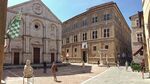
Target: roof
<point x="90" y="9"/>
<point x="137" y="14"/>
<point x="27" y="2"/>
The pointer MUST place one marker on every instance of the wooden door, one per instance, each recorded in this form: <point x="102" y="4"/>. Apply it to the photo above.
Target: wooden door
<point x="16" y="58"/>
<point x="36" y="54"/>
<point x="52" y="57"/>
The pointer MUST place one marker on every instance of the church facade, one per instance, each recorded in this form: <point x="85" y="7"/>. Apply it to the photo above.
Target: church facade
<point x="40" y="35"/>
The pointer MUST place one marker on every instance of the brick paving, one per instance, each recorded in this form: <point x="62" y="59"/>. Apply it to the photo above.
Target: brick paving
<point x="70" y="74"/>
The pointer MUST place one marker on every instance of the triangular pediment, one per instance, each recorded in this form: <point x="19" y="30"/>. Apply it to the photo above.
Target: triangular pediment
<point x="36" y="8"/>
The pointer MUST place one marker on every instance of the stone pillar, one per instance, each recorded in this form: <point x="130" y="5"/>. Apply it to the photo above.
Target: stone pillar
<point x="46" y="52"/>
<point x="27" y="51"/>
<point x="3" y="15"/>
<point x="8" y="58"/>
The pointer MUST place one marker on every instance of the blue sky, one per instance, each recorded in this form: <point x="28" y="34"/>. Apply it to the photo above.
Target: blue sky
<point x="65" y="9"/>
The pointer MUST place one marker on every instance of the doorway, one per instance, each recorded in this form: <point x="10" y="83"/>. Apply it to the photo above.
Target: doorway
<point x="36" y="54"/>
<point x="84" y="54"/>
<point x="16" y="58"/>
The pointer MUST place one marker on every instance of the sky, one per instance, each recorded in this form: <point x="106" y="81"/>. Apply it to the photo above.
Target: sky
<point x="66" y="9"/>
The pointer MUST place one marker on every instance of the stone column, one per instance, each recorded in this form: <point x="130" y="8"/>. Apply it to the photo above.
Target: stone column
<point x="26" y="49"/>
<point x="46" y="52"/>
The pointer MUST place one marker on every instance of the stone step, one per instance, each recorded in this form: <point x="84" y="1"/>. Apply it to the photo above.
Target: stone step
<point x="35" y="66"/>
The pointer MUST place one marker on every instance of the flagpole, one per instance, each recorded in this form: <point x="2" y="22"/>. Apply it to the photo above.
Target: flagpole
<point x="3" y="15"/>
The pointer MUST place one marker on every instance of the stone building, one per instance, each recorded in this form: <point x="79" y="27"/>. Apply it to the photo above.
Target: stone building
<point x="137" y="37"/>
<point x="40" y="34"/>
<point x="146" y="14"/>
<point x="101" y="33"/>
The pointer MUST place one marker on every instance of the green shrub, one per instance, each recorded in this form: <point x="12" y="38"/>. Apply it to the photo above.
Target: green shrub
<point x="135" y="67"/>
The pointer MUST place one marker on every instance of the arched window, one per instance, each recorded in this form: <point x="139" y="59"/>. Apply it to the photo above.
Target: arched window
<point x="37" y="25"/>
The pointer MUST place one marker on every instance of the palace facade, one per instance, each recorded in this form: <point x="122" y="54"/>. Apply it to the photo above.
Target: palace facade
<point x="99" y="34"/>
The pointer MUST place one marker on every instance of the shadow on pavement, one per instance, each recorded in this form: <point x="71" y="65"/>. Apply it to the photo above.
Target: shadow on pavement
<point x="62" y="71"/>
<point x="58" y="81"/>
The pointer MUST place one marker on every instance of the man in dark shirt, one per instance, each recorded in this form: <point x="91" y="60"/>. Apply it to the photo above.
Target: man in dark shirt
<point x="44" y="67"/>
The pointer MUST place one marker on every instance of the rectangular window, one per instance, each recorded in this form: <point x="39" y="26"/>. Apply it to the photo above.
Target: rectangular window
<point x="75" y="49"/>
<point x="76" y="25"/>
<point x="75" y="38"/>
<point x="139" y="37"/>
<point x="95" y="19"/>
<point x="106" y="33"/>
<point x="137" y="23"/>
<point x="67" y="40"/>
<point x="84" y="22"/>
<point x="84" y="36"/>
<point x="94" y="34"/>
<point x="107" y="17"/>
<point x="94" y="48"/>
<point x="106" y="46"/>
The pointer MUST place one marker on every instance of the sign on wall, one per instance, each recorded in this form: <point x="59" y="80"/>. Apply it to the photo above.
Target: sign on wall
<point x="84" y="45"/>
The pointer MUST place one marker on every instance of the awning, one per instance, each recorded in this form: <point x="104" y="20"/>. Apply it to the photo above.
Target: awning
<point x="138" y="51"/>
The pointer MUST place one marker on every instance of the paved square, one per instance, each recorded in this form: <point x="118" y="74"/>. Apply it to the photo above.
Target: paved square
<point x="70" y="74"/>
<point x="115" y="75"/>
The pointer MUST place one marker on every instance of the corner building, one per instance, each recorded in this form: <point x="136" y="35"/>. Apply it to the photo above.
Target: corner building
<point x="137" y="22"/>
<point x="99" y="33"/>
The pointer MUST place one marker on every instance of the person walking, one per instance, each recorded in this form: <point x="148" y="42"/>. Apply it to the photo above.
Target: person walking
<point x="83" y="64"/>
<point x="67" y="57"/>
<point x="126" y="64"/>
<point x="98" y="62"/>
<point x="143" y="68"/>
<point x="107" y="61"/>
<point x="117" y="64"/>
<point x="54" y="70"/>
<point x="44" y="67"/>
<point x="28" y="72"/>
